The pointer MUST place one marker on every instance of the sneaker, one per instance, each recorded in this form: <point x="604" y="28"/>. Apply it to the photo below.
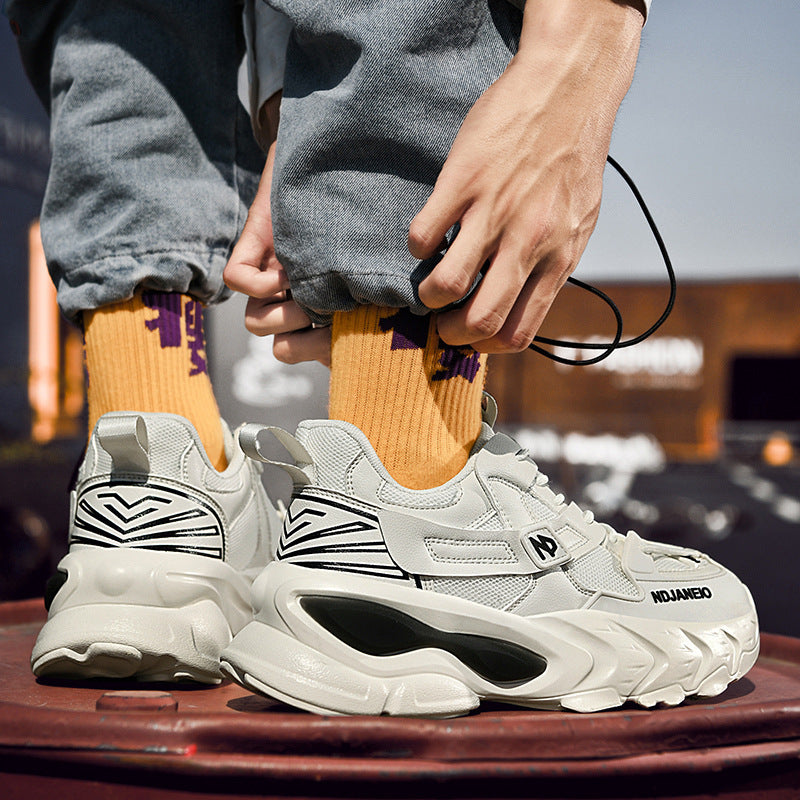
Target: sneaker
<point x="163" y="550"/>
<point x="386" y="600"/>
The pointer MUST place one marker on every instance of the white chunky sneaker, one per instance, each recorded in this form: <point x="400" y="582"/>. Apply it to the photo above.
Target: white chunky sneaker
<point x="163" y="549"/>
<point x="386" y="600"/>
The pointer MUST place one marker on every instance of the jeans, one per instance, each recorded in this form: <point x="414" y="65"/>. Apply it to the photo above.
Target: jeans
<point x="154" y="163"/>
<point x="374" y="94"/>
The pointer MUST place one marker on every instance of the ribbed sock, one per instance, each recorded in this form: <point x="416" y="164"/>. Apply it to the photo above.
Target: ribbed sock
<point x="149" y="354"/>
<point x="417" y="400"/>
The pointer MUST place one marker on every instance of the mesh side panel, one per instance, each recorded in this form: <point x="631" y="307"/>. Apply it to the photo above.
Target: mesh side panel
<point x="600" y="570"/>
<point x="333" y="451"/>
<point x="535" y="508"/>
<point x="495" y="592"/>
<point x="539" y="511"/>
<point x="440" y="497"/>
<point x="215" y="482"/>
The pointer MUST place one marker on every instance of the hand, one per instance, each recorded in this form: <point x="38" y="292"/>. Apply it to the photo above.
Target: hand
<point x="524" y="175"/>
<point x="254" y="270"/>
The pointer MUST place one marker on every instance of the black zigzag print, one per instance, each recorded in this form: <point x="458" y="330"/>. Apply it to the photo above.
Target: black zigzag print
<point x="321" y="533"/>
<point x="148" y="516"/>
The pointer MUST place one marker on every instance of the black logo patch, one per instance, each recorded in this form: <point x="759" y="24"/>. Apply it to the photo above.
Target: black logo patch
<point x="545" y="546"/>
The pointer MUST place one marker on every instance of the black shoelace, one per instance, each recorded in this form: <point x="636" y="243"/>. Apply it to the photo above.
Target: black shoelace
<point x="609" y="347"/>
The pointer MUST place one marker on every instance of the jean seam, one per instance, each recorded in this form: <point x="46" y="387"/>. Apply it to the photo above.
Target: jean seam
<point x="168" y="250"/>
<point x="345" y="274"/>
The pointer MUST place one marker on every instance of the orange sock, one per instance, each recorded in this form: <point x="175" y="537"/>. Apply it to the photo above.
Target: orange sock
<point x="149" y="354"/>
<point x="417" y="400"/>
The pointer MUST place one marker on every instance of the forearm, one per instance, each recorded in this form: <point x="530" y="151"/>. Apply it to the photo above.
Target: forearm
<point x="524" y="175"/>
<point x="580" y="55"/>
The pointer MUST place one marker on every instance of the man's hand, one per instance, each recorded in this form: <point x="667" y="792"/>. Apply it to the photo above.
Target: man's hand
<point x="253" y="269"/>
<point x="524" y="175"/>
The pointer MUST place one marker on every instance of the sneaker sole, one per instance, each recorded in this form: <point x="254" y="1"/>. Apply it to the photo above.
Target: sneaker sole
<point x="142" y="615"/>
<point x="587" y="660"/>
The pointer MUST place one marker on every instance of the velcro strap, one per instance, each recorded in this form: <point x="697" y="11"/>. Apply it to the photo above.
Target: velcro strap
<point x="441" y="550"/>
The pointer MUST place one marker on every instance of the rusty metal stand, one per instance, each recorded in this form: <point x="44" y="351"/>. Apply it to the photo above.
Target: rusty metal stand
<point x="110" y="739"/>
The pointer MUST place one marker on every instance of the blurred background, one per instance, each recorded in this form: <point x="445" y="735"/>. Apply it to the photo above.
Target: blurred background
<point x="691" y="437"/>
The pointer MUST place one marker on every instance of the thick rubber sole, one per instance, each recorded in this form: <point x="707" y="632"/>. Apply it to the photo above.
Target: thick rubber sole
<point x="141" y="615"/>
<point x="593" y="660"/>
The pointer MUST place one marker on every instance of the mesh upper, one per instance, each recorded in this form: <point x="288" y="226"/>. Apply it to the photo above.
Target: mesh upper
<point x="494" y="591"/>
<point x="600" y="571"/>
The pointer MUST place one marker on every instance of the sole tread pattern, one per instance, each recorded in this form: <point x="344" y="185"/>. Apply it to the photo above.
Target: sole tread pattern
<point x="662" y="668"/>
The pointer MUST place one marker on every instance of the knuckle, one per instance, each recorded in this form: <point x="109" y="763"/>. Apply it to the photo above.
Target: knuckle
<point x="283" y="351"/>
<point x="516" y="341"/>
<point x="254" y="319"/>
<point x="542" y="230"/>
<point x="253" y="326"/>
<point x="230" y="276"/>
<point x="452" y="285"/>
<point x="419" y="234"/>
<point x="485" y="324"/>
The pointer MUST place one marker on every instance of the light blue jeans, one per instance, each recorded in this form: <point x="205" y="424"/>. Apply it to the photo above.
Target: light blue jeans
<point x="154" y="164"/>
<point x="153" y="158"/>
<point x="374" y="94"/>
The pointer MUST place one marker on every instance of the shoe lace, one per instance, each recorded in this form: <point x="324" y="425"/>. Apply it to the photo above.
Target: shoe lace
<point x="613" y="539"/>
<point x="541" y="479"/>
<point x="616" y="343"/>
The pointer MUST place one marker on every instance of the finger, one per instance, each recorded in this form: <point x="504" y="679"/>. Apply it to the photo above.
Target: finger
<point x="484" y="314"/>
<point x="451" y="279"/>
<point x="428" y="230"/>
<point x="530" y="309"/>
<point x="256" y="281"/>
<point x="255" y="250"/>
<point x="264" y="318"/>
<point x="313" y="344"/>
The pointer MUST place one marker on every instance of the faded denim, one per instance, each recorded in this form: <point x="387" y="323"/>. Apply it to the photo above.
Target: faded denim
<point x="154" y="163"/>
<point x="374" y="94"/>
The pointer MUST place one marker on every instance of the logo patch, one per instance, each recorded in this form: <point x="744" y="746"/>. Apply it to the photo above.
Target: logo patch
<point x="410" y="332"/>
<point x="544" y="548"/>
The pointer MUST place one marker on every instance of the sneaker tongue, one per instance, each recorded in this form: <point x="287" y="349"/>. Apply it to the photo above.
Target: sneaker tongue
<point x="500" y="444"/>
<point x="483" y="437"/>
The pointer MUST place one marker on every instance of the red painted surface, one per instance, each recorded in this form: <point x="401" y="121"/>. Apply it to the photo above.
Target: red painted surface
<point x="194" y="737"/>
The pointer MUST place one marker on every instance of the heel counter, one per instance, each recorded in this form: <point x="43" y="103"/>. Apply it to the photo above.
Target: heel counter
<point x="139" y="512"/>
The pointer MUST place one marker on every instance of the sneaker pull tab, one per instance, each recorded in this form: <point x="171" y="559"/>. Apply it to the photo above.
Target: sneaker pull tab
<point x="488" y="409"/>
<point x="301" y="472"/>
<point x="124" y="438"/>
